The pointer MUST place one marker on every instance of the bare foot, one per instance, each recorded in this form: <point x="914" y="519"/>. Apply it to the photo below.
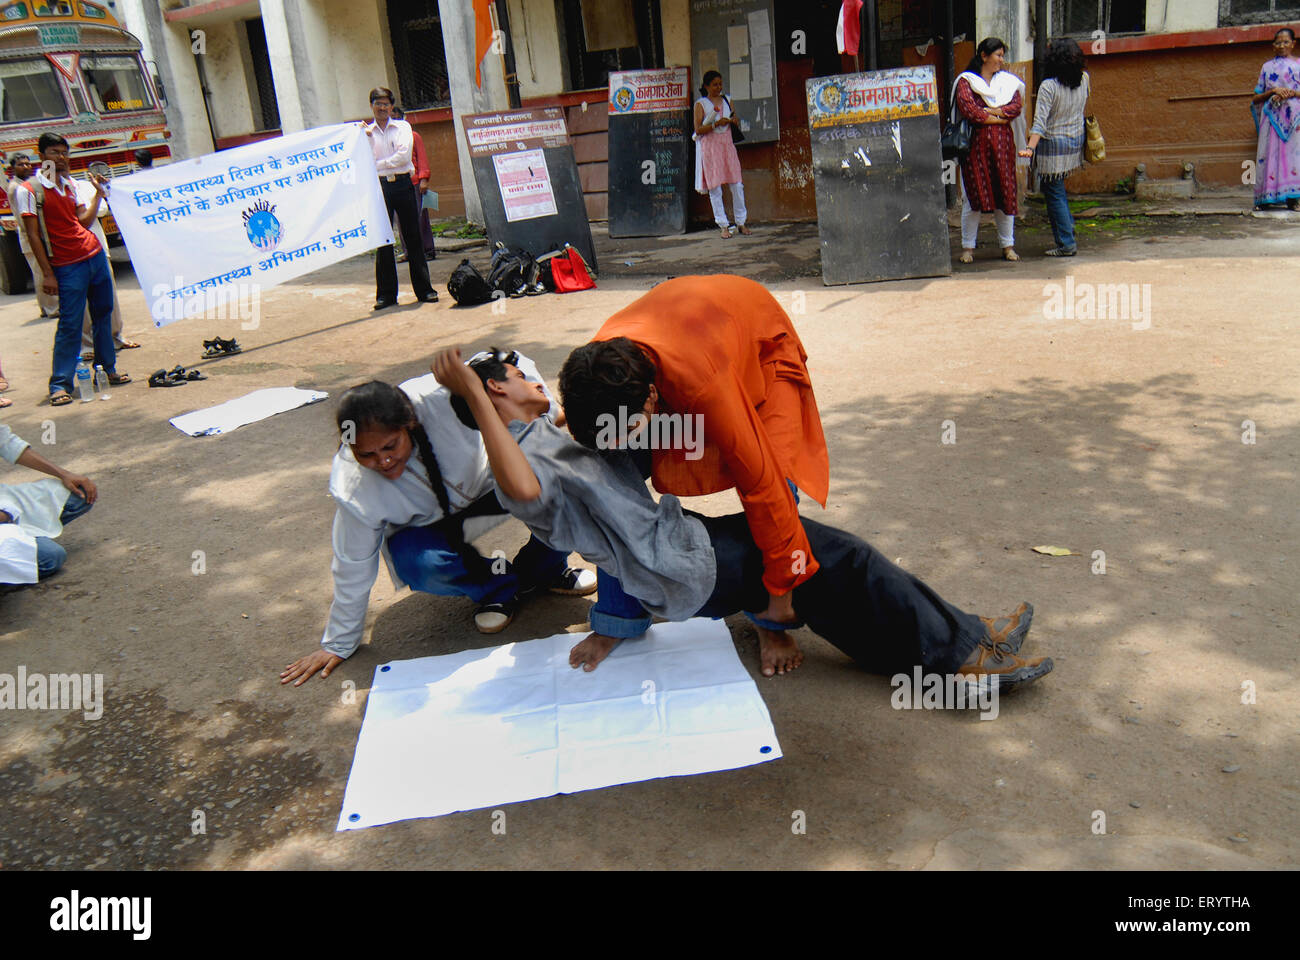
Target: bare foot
<point x="588" y="652"/>
<point x="726" y="234"/>
<point x="778" y="651"/>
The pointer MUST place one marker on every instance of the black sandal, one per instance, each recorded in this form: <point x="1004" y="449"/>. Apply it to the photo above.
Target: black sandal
<point x="159" y="378"/>
<point x="217" y="347"/>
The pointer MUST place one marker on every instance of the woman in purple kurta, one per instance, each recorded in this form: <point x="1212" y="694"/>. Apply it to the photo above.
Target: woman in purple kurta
<point x="1277" y="114"/>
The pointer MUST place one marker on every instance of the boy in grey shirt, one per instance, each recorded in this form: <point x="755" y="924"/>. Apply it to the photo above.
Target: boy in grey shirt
<point x="678" y="564"/>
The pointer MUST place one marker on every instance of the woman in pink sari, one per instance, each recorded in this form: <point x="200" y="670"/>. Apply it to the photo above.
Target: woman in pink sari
<point x="1277" y="114"/>
<point x="716" y="160"/>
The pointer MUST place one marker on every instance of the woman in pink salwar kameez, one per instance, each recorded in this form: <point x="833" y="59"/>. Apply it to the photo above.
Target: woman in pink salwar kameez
<point x="1277" y="114"/>
<point x="716" y="160"/>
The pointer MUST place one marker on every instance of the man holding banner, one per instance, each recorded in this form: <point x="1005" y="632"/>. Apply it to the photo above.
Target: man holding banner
<point x="392" y="142"/>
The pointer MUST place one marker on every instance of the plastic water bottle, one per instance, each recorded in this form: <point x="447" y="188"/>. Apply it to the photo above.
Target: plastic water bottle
<point x="101" y="382"/>
<point x="84" y="386"/>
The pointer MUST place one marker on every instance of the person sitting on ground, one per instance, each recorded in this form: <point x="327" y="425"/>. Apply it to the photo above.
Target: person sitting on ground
<point x="411" y="482"/>
<point x="721" y="351"/>
<point x="681" y="564"/>
<point x="74" y="265"/>
<point x="42" y="507"/>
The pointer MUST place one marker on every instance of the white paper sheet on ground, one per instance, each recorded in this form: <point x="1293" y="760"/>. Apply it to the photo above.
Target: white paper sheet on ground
<point x="17" y="555"/>
<point x="250" y="408"/>
<point x="489" y="727"/>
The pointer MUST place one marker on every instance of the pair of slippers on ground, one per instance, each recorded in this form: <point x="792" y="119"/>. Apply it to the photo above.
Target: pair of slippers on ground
<point x="175" y="377"/>
<point x="217" y="347"/>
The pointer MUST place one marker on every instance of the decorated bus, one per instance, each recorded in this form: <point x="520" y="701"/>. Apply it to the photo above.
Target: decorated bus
<point x="68" y="66"/>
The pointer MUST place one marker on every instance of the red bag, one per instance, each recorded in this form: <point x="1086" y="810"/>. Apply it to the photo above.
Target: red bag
<point x="569" y="271"/>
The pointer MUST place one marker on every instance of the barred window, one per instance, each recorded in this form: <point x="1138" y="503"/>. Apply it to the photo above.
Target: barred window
<point x="266" y="108"/>
<point x="415" y="28"/>
<point x="1080" y="18"/>
<point x="1233" y="12"/>
<point x="603" y="36"/>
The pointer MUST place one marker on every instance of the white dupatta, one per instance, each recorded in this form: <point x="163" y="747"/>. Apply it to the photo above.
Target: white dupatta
<point x="999" y="93"/>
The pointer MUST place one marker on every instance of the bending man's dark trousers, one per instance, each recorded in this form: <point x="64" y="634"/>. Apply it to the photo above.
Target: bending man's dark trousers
<point x="887" y="620"/>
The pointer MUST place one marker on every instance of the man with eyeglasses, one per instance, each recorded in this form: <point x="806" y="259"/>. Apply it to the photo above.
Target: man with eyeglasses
<point x="392" y="142"/>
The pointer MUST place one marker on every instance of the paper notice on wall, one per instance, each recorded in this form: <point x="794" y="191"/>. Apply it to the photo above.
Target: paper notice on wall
<point x="737" y="43"/>
<point x="759" y="33"/>
<point x="708" y="61"/>
<point x="525" y="185"/>
<point x="760" y="72"/>
<point x="738" y="88"/>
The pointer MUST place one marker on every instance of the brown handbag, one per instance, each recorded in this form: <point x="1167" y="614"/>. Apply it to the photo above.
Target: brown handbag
<point x="1094" y="144"/>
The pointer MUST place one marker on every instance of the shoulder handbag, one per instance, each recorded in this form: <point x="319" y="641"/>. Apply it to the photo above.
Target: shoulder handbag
<point x="955" y="141"/>
<point x="569" y="271"/>
<point x="1094" y="144"/>
<point x="736" y="135"/>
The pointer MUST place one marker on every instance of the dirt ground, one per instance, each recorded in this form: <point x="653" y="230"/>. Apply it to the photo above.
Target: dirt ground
<point x="1087" y="434"/>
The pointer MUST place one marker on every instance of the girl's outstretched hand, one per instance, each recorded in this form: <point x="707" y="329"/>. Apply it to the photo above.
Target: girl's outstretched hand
<point x="303" y="668"/>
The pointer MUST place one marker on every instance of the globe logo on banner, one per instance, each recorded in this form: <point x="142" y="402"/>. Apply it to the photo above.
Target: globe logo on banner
<point x="623" y="99"/>
<point x="264" y="230"/>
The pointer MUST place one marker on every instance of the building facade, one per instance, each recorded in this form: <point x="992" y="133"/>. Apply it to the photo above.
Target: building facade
<point x="1171" y="80"/>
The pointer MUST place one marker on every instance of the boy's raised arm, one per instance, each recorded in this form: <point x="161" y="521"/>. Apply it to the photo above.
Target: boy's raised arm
<point x="514" y="477"/>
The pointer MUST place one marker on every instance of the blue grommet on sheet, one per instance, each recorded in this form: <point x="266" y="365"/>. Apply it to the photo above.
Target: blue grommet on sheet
<point x="385" y="668"/>
<point x="353" y="817"/>
<point x="764" y="749"/>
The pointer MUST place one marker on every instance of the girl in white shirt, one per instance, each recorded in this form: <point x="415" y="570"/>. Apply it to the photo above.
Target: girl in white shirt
<point x="418" y="509"/>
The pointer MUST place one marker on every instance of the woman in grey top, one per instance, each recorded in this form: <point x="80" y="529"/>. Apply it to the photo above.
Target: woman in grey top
<point x="1056" y="140"/>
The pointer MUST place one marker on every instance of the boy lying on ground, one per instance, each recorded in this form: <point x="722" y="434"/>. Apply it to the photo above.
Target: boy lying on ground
<point x="681" y="565"/>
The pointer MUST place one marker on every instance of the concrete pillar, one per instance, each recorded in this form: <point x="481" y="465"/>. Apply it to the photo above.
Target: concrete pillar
<point x="168" y="46"/>
<point x="1011" y="21"/>
<point x="280" y="42"/>
<point x="458" y="43"/>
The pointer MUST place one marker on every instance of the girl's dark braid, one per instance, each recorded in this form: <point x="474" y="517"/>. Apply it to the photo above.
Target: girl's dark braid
<point x="430" y="462"/>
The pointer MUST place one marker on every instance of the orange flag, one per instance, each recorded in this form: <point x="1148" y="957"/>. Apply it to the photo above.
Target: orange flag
<point x="482" y="36"/>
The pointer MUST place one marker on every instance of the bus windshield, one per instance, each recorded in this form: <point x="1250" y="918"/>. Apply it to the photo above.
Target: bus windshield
<point x="115" y="83"/>
<point x="29" y="91"/>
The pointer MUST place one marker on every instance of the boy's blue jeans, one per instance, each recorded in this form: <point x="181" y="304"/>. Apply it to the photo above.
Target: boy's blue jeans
<point x="79" y="282"/>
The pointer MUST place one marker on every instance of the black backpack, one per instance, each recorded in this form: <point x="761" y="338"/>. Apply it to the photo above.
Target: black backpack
<point x="467" y="286"/>
<point x="514" y="272"/>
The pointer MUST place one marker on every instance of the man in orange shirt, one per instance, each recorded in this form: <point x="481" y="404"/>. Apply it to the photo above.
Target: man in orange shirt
<point x="719" y="349"/>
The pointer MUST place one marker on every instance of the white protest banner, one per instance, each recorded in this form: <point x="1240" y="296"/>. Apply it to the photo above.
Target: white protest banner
<point x="204" y="232"/>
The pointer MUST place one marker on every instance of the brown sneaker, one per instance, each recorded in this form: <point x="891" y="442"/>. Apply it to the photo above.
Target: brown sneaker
<point x="995" y="659"/>
<point x="1012" y="628"/>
